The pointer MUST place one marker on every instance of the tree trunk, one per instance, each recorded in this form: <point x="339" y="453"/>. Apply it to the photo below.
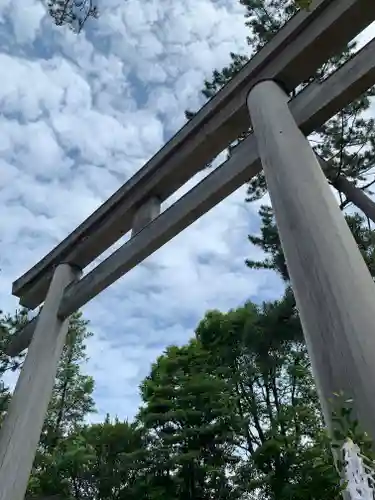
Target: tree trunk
<point x="353" y="193"/>
<point x="356" y="196"/>
<point x="56" y="436"/>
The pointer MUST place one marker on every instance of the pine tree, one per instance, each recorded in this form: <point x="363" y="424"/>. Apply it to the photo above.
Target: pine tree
<point x="71" y="403"/>
<point x="9" y="324"/>
<point x="71" y="399"/>
<point x="103" y="461"/>
<point x="346" y="142"/>
<point x="269" y="242"/>
<point x="117" y="465"/>
<point x="188" y="413"/>
<point x="73" y="13"/>
<point x="260" y="353"/>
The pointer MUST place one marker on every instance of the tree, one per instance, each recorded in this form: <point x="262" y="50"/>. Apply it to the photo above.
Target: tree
<point x="70" y="404"/>
<point x="117" y="469"/>
<point x="9" y="324"/>
<point x="231" y="415"/>
<point x="260" y="352"/>
<point x="234" y="413"/>
<point x="189" y="414"/>
<point x="102" y="461"/>
<point x="73" y="13"/>
<point x="71" y="399"/>
<point x="269" y="242"/>
<point x="346" y="142"/>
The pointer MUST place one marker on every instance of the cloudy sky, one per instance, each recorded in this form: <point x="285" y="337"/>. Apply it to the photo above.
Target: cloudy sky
<point x="78" y="116"/>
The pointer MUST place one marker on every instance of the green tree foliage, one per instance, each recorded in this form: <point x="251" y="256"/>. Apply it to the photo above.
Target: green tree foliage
<point x="118" y="454"/>
<point x="260" y="351"/>
<point x="190" y="415"/>
<point x="99" y="461"/>
<point x="72" y="397"/>
<point x="233" y="415"/>
<point x="269" y="242"/>
<point x="9" y="324"/>
<point x="303" y="4"/>
<point x="73" y="13"/>
<point x="71" y="403"/>
<point x="346" y="141"/>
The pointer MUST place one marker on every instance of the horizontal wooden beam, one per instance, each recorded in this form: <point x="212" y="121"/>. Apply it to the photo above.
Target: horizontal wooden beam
<point x="312" y="107"/>
<point x="21" y="339"/>
<point x="243" y="165"/>
<point x="293" y="55"/>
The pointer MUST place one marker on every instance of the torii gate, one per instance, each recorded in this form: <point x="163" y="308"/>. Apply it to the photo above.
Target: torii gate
<point x="333" y="288"/>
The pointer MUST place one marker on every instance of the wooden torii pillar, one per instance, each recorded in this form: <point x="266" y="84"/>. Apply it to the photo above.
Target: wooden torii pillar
<point x="333" y="288"/>
<point x="22" y="426"/>
<point x="20" y="431"/>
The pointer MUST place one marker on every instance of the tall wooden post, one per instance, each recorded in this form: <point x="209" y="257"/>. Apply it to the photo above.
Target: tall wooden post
<point x="146" y="213"/>
<point x="20" y="431"/>
<point x="334" y="291"/>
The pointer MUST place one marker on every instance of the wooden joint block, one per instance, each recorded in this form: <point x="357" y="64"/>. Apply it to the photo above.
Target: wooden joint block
<point x="146" y="213"/>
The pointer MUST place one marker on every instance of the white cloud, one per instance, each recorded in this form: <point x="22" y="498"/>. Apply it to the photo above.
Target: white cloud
<point x="79" y="115"/>
<point x="25" y="17"/>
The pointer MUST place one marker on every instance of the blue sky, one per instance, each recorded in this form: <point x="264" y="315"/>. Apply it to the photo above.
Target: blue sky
<point x="78" y="116"/>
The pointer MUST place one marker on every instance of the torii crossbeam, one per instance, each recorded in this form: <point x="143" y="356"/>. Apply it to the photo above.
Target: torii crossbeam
<point x="333" y="288"/>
